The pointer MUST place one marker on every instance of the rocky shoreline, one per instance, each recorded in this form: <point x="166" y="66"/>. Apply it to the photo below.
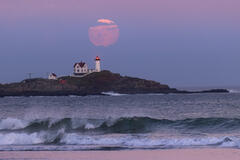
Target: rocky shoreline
<point x="92" y="84"/>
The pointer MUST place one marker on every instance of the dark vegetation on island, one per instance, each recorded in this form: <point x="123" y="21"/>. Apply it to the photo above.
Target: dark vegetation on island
<point x="92" y="84"/>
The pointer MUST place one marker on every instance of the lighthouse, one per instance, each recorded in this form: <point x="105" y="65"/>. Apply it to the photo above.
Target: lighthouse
<point x="97" y="66"/>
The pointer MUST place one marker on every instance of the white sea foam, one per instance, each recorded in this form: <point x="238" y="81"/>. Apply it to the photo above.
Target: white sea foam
<point x="75" y="139"/>
<point x="91" y="123"/>
<point x="89" y="126"/>
<point x="144" y="142"/>
<point x="20" y="139"/>
<point x="85" y="123"/>
<point x="12" y="123"/>
<point x="234" y="91"/>
<point x="52" y="122"/>
<point x="121" y="140"/>
<point x="113" y="94"/>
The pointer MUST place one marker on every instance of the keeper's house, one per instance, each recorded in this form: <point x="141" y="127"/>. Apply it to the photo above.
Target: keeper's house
<point x="81" y="68"/>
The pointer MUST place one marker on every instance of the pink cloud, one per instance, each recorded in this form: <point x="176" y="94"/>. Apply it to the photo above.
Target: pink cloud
<point x="107" y="21"/>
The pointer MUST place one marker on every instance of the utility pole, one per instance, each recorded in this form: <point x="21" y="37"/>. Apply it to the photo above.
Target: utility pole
<point x="47" y="74"/>
<point x="30" y="75"/>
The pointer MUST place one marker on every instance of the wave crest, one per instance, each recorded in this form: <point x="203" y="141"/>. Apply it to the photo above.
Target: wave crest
<point x="12" y="123"/>
<point x="120" y="125"/>
<point x="129" y="132"/>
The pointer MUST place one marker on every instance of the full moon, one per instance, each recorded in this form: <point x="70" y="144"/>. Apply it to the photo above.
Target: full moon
<point x="105" y="33"/>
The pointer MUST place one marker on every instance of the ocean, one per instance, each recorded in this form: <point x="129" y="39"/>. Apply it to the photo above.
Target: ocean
<point x="118" y="122"/>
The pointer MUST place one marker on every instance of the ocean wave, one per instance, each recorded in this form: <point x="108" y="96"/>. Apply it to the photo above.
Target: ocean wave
<point x="125" y="132"/>
<point x="120" y="125"/>
<point x="102" y="141"/>
<point x="113" y="94"/>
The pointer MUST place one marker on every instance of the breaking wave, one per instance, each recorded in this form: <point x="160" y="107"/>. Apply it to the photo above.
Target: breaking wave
<point x="234" y="90"/>
<point x="125" y="132"/>
<point x="120" y="125"/>
<point x="113" y="94"/>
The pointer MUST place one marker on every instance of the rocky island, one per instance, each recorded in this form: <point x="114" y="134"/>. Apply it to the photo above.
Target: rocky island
<point x="93" y="84"/>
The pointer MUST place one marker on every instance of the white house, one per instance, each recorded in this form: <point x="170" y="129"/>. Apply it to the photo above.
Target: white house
<point x="82" y="68"/>
<point x="52" y="76"/>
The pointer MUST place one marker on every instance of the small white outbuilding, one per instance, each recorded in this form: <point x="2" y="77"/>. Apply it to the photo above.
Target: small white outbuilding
<point x="52" y="76"/>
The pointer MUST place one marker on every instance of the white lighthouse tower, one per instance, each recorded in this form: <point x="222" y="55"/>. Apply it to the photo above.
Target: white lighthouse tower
<point x="97" y="66"/>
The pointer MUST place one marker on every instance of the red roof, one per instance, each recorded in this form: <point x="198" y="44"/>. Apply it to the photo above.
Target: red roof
<point x="97" y="58"/>
<point x="81" y="64"/>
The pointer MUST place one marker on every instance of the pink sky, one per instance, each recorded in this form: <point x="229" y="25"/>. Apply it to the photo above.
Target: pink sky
<point x="149" y="10"/>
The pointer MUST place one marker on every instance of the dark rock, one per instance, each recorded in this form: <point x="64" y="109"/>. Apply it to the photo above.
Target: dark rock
<point x="215" y="91"/>
<point x="92" y="84"/>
